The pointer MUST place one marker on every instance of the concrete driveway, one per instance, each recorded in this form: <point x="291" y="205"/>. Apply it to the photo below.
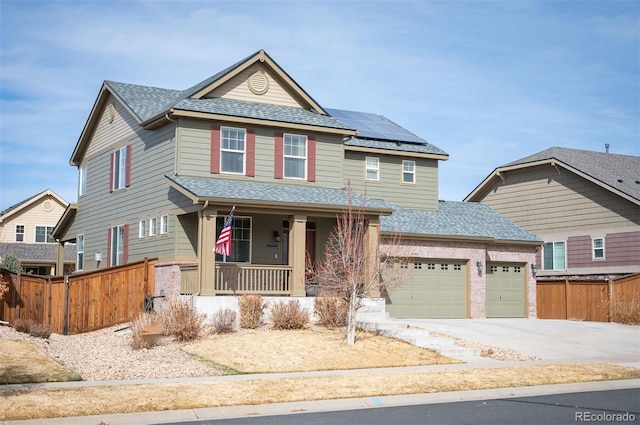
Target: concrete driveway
<point x="550" y="340"/>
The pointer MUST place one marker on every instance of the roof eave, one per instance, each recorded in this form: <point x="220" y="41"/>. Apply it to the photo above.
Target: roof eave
<point x="257" y="121"/>
<point x="441" y="157"/>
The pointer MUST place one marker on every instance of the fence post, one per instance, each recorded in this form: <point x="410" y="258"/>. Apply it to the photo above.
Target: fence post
<point x="50" y="301"/>
<point x="146" y="276"/>
<point x="609" y="299"/>
<point x="16" y="314"/>
<point x="65" y="325"/>
<point x="567" y="299"/>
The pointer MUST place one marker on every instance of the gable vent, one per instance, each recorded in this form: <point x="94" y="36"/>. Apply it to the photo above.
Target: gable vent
<point x="258" y="82"/>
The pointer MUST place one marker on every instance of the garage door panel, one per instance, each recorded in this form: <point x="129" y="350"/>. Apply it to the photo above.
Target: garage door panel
<point x="505" y="290"/>
<point x="436" y="290"/>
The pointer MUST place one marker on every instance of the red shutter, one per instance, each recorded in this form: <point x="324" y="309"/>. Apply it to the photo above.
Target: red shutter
<point x="113" y="156"/>
<point x="109" y="247"/>
<point x="311" y="158"/>
<point x="215" y="149"/>
<point x="127" y="171"/>
<point x="251" y="152"/>
<point x="125" y="245"/>
<point x="278" y="157"/>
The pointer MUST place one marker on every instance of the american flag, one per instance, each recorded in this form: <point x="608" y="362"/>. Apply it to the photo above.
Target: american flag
<point x="223" y="245"/>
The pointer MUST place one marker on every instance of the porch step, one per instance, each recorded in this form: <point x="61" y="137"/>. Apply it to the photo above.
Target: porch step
<point x="418" y="337"/>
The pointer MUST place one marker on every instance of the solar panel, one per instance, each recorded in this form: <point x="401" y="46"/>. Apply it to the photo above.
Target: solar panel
<point x="374" y="126"/>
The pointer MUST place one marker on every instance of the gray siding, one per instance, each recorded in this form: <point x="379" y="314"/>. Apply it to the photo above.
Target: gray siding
<point x="423" y="195"/>
<point x="194" y="154"/>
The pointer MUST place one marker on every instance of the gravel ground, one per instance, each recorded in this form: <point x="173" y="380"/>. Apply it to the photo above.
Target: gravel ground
<point x="106" y="355"/>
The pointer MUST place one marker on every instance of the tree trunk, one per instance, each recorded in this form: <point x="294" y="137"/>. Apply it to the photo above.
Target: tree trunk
<point x="351" y="318"/>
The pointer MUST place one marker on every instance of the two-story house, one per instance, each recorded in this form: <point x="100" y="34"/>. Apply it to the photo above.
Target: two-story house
<point x="25" y="233"/>
<point x="585" y="205"/>
<point x="160" y="170"/>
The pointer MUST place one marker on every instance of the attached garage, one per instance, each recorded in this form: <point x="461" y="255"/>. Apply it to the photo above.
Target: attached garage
<point x="437" y="289"/>
<point x="506" y="295"/>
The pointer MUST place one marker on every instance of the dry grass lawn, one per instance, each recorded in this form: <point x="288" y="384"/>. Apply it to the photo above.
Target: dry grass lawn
<point x="308" y="350"/>
<point x="21" y="362"/>
<point x="48" y="403"/>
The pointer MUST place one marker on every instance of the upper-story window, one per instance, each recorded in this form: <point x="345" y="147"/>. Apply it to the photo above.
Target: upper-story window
<point x="153" y="226"/>
<point x="232" y="150"/>
<point x="598" y="248"/>
<point x="554" y="256"/>
<point x="295" y="156"/>
<point x="372" y="168"/>
<point x="82" y="180"/>
<point x="121" y="168"/>
<point x="19" y="232"/>
<point x="408" y="172"/>
<point x="43" y="234"/>
<point x="164" y="224"/>
<point x="142" y="229"/>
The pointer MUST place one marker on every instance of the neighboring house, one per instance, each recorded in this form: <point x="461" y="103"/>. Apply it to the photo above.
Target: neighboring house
<point x="160" y="170"/>
<point x="584" y="204"/>
<point x="25" y="233"/>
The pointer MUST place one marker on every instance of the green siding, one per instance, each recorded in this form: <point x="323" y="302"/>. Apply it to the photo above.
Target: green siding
<point x="423" y="195"/>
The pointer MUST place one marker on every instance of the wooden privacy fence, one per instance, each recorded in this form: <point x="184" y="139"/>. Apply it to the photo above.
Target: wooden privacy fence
<point x="80" y="302"/>
<point x="584" y="299"/>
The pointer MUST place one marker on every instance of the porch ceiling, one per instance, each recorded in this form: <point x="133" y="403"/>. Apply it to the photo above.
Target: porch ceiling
<point x="236" y="192"/>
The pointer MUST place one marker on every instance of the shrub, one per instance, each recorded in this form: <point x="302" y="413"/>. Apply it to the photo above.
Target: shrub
<point x="251" y="311"/>
<point x="224" y="321"/>
<point x="4" y="287"/>
<point x="331" y="311"/>
<point x="137" y="327"/>
<point x="180" y="318"/>
<point x="289" y="315"/>
<point x="626" y="312"/>
<point x="22" y="325"/>
<point x="40" y="330"/>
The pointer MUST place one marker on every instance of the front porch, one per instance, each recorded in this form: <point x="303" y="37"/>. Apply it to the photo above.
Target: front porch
<point x="234" y="279"/>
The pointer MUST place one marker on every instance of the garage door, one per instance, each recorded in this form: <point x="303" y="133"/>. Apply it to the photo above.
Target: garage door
<point x="505" y="290"/>
<point x="437" y="290"/>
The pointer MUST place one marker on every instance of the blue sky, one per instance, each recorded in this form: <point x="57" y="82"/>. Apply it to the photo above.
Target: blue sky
<point x="486" y="81"/>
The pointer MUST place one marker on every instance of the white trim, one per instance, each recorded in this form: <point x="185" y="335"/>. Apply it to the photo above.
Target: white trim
<point x="46" y="227"/>
<point x="553" y="259"/>
<point x="142" y="229"/>
<point x="285" y="156"/>
<point x="78" y="252"/>
<point x="24" y="232"/>
<point x="412" y="172"/>
<point x="164" y="224"/>
<point x="236" y="151"/>
<point x="153" y="226"/>
<point x="593" y="249"/>
<point x="367" y="168"/>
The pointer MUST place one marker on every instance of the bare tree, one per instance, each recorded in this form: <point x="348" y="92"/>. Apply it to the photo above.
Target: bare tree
<point x="354" y="268"/>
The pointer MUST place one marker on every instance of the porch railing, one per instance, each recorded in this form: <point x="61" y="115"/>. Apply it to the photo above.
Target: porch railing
<point x="241" y="279"/>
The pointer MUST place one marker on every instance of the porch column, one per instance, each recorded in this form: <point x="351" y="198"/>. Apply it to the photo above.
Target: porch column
<point x="297" y="239"/>
<point x="206" y="244"/>
<point x="60" y="259"/>
<point x="372" y="253"/>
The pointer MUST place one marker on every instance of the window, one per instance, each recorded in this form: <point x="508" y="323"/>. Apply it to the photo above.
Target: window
<point x="408" y="172"/>
<point x="164" y="224"/>
<point x="232" y="150"/>
<point x="153" y="226"/>
<point x="457" y="267"/>
<point x="417" y="266"/>
<point x="240" y="239"/>
<point x="372" y="168"/>
<point x="117" y="245"/>
<point x="142" y="229"/>
<point x="119" y="168"/>
<point x="444" y="266"/>
<point x="517" y="269"/>
<point x="80" y="252"/>
<point x="295" y="156"/>
<point x="554" y="256"/>
<point x="19" y="232"/>
<point x="598" y="248"/>
<point x="82" y="180"/>
<point x="505" y="269"/>
<point x="43" y="234"/>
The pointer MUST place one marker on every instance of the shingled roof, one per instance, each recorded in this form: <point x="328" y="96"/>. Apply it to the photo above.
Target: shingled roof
<point x="37" y="252"/>
<point x="457" y="219"/>
<point x="621" y="172"/>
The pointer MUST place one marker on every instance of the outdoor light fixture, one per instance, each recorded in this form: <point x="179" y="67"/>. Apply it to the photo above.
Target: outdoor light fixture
<point x="276" y="236"/>
<point x="479" y="266"/>
<point x="534" y="269"/>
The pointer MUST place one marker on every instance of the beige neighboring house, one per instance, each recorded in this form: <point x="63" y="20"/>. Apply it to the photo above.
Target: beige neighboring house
<point x="25" y="233"/>
<point x="585" y="205"/>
